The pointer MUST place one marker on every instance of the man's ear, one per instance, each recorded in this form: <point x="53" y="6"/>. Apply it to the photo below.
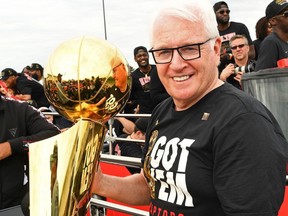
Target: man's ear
<point x="272" y="22"/>
<point x="217" y="49"/>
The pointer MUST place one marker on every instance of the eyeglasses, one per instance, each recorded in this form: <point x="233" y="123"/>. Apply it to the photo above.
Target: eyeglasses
<point x="222" y="11"/>
<point x="284" y="14"/>
<point x="240" y="46"/>
<point x="187" y="52"/>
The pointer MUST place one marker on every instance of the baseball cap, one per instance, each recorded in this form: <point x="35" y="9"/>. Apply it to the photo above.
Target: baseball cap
<point x="275" y="7"/>
<point x="136" y="50"/>
<point x="218" y="5"/>
<point x="7" y="72"/>
<point x="36" y="66"/>
<point x="141" y="124"/>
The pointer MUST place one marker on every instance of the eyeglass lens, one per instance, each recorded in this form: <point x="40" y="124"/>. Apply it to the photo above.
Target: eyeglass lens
<point x="239" y="46"/>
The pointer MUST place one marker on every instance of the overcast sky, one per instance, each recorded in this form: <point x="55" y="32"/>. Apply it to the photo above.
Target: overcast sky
<point x="32" y="29"/>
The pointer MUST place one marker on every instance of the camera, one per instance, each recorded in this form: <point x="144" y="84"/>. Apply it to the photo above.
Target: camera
<point x="247" y="68"/>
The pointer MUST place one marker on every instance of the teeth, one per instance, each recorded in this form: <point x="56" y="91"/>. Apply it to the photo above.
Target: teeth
<point x="182" y="78"/>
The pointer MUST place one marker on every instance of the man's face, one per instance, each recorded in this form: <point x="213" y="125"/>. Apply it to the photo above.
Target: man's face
<point x="35" y="74"/>
<point x="142" y="58"/>
<point x="222" y="15"/>
<point x="187" y="81"/>
<point x="120" y="76"/>
<point x="240" y="49"/>
<point x="281" y="21"/>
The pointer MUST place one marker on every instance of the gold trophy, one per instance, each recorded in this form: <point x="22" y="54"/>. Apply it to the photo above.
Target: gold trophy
<point x="87" y="80"/>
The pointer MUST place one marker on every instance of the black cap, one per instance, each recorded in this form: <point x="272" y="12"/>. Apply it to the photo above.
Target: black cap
<point x="142" y="124"/>
<point x="7" y="72"/>
<point x="36" y="66"/>
<point x="136" y="50"/>
<point x="275" y="7"/>
<point x="218" y="5"/>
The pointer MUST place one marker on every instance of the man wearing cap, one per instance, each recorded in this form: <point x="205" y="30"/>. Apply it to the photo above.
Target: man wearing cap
<point x="227" y="30"/>
<point x="25" y="89"/>
<point x="141" y="78"/>
<point x="36" y="72"/>
<point x="275" y="45"/>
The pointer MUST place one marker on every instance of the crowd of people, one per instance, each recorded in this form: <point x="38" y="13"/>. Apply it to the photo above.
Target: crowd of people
<point x="269" y="47"/>
<point x="209" y="147"/>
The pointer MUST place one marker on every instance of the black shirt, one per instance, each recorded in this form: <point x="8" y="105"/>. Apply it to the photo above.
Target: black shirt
<point x="33" y="88"/>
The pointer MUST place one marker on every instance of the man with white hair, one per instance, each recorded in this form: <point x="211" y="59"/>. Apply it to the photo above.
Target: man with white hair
<point x="210" y="149"/>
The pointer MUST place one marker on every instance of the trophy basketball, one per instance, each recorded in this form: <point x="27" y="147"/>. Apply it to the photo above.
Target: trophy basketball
<point x="87" y="80"/>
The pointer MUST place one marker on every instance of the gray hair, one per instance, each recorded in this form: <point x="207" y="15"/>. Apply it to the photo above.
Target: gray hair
<point x="196" y="11"/>
<point x="238" y="37"/>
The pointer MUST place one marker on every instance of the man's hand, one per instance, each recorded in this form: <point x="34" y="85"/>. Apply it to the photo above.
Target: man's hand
<point x="5" y="150"/>
<point x="228" y="71"/>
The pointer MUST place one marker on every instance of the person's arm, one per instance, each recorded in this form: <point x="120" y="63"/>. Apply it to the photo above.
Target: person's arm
<point x="228" y="71"/>
<point x="249" y="168"/>
<point x="5" y="150"/>
<point x="24" y="97"/>
<point x="132" y="190"/>
<point x="128" y="126"/>
<point x="38" y="128"/>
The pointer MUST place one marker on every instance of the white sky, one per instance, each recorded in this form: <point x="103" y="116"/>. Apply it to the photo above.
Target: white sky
<point x="32" y="29"/>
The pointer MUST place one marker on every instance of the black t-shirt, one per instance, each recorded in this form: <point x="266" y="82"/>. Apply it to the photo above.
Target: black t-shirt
<point x="140" y="92"/>
<point x="33" y="88"/>
<point x="225" y="155"/>
<point x="272" y="49"/>
<point x="157" y="90"/>
<point x="235" y="28"/>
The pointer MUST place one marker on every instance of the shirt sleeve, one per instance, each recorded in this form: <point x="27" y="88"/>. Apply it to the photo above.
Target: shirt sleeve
<point x="249" y="166"/>
<point x="268" y="55"/>
<point x="38" y="129"/>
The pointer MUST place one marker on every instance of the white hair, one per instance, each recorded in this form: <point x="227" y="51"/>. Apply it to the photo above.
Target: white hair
<point x="196" y="11"/>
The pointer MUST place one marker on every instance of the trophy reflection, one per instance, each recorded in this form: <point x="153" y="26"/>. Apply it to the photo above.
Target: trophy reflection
<point x="87" y="80"/>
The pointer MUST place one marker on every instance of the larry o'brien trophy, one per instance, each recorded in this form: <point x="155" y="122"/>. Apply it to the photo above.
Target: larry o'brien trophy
<point x="87" y="80"/>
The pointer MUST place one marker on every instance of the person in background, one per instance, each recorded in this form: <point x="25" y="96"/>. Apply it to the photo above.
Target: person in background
<point x="21" y="125"/>
<point x="210" y="149"/>
<point x="6" y="92"/>
<point x="133" y="149"/>
<point x="263" y="29"/>
<point x="233" y="72"/>
<point x="25" y="89"/>
<point x="141" y="77"/>
<point x="275" y="46"/>
<point x="26" y="70"/>
<point x="36" y="72"/>
<point x="227" y="30"/>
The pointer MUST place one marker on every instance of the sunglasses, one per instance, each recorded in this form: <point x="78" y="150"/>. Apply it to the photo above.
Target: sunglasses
<point x="284" y="14"/>
<point x="222" y="11"/>
<point x="240" y="46"/>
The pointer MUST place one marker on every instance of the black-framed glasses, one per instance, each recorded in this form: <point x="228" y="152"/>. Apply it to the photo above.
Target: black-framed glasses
<point x="187" y="52"/>
<point x="238" y="46"/>
<point x="222" y="11"/>
<point x="284" y="14"/>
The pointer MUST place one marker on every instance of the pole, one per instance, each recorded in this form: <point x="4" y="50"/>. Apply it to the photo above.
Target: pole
<point x="104" y="18"/>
